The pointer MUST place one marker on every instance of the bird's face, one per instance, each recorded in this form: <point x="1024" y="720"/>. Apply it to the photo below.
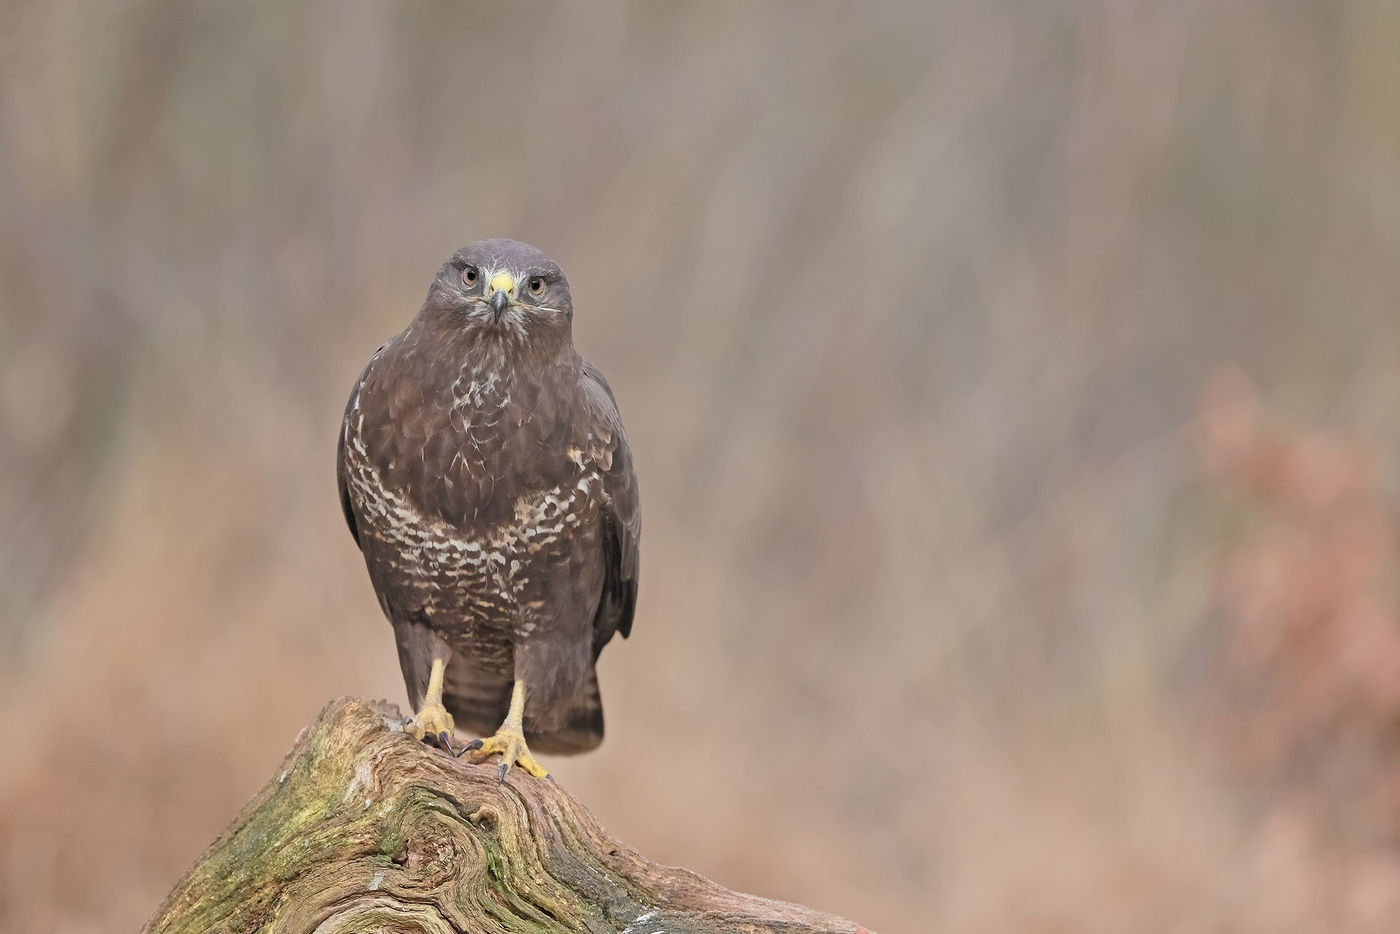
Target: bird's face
<point x="505" y="290"/>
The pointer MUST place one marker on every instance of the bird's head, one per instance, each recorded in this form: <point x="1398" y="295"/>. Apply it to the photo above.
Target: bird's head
<point x="504" y="291"/>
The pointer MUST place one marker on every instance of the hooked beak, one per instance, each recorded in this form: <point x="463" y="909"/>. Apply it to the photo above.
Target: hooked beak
<point x="501" y="290"/>
<point x="499" y="300"/>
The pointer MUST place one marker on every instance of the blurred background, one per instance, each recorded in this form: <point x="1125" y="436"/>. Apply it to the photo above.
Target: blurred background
<point x="1012" y="385"/>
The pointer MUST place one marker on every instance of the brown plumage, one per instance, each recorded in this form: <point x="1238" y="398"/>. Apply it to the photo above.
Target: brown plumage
<point x="487" y="480"/>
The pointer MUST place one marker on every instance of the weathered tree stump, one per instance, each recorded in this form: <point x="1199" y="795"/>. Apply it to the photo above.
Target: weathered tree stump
<point x="366" y="829"/>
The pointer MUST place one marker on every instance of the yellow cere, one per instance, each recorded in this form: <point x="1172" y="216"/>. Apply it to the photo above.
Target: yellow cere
<point x="502" y="282"/>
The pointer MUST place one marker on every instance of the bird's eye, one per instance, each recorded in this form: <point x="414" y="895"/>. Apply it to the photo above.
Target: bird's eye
<point x="536" y="285"/>
<point x="470" y="275"/>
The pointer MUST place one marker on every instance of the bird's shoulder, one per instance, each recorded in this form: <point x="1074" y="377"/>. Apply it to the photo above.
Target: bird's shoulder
<point x="612" y="455"/>
<point x="599" y="404"/>
<point x="399" y="434"/>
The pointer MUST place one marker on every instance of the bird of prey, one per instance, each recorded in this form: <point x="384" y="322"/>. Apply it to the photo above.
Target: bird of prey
<point x="486" y="478"/>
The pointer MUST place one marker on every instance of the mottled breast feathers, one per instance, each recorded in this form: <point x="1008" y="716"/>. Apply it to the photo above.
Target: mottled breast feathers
<point x="468" y="476"/>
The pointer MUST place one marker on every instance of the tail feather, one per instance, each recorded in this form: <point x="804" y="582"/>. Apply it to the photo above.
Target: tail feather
<point x="478" y="702"/>
<point x="582" y="723"/>
<point x="476" y="698"/>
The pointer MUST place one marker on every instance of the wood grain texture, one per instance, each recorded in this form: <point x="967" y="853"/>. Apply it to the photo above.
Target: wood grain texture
<point x="367" y="829"/>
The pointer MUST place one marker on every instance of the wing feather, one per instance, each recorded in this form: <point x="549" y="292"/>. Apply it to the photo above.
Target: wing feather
<point x="342" y="481"/>
<point x="622" y="521"/>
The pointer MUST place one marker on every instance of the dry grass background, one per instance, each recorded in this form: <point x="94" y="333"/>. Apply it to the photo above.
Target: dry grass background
<point x="909" y="308"/>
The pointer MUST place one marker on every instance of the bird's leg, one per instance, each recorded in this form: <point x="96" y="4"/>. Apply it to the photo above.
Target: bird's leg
<point x="432" y="722"/>
<point x="509" y="740"/>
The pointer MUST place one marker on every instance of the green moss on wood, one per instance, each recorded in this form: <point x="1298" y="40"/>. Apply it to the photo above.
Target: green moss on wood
<point x="365" y="829"/>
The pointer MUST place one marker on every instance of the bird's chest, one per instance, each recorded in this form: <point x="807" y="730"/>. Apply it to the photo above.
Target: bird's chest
<point x="471" y="490"/>
<point x="481" y="416"/>
<point x="502" y="578"/>
<point x="505" y="557"/>
<point x="468" y="537"/>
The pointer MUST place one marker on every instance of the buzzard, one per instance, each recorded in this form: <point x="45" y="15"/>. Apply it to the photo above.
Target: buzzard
<point x="486" y="478"/>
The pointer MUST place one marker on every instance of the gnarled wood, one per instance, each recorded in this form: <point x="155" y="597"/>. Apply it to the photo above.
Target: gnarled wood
<point x="366" y="829"/>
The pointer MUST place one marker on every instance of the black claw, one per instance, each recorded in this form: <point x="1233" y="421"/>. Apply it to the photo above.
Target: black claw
<point x="551" y="778"/>
<point x="505" y="767"/>
<point x="444" y="740"/>
<point x="473" y="746"/>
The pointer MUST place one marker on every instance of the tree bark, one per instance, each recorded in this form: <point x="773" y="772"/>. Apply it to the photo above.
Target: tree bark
<point x="367" y="829"/>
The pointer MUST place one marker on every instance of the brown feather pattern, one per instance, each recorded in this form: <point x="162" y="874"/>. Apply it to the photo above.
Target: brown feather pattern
<point x="486" y="477"/>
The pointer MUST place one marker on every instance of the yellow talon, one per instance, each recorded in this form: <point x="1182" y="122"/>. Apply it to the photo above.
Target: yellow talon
<point x="511" y="745"/>
<point x="432" y="721"/>
<point x="509" y="740"/>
